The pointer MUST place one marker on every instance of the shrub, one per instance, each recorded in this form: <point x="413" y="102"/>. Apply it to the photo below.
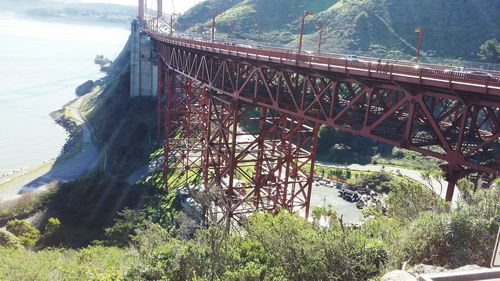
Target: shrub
<point x="92" y="263"/>
<point x="53" y="234"/>
<point x="125" y="228"/>
<point x="378" y="181"/>
<point x="464" y="236"/>
<point x="24" y="231"/>
<point x="9" y="240"/>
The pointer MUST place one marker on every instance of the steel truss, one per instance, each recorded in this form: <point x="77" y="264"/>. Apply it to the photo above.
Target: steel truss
<point x="258" y="159"/>
<point x="460" y="128"/>
<point x="253" y="158"/>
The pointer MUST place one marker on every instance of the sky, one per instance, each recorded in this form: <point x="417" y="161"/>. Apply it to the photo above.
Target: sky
<point x="180" y="6"/>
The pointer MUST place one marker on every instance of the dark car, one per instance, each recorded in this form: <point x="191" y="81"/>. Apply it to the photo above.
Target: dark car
<point x="350" y="196"/>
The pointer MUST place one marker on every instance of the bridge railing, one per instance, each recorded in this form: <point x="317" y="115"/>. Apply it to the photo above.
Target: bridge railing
<point x="366" y="64"/>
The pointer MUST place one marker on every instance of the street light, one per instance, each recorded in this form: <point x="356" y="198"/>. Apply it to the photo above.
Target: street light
<point x="306" y="13"/>
<point x="421" y="31"/>
<point x="320" y="26"/>
<point x="257" y="25"/>
<point x="213" y="25"/>
<point x="172" y="23"/>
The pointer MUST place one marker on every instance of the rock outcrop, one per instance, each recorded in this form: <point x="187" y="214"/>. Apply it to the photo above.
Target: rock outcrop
<point x="84" y="88"/>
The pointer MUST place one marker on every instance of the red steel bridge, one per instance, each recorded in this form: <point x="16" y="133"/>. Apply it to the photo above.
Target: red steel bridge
<point x="245" y="121"/>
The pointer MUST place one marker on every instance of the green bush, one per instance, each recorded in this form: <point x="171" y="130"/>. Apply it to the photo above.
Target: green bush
<point x="464" y="236"/>
<point x="24" y="231"/>
<point x="8" y="240"/>
<point x="53" y="234"/>
<point x="378" y="181"/>
<point x="92" y="263"/>
<point x="408" y="199"/>
<point x="273" y="247"/>
<point x="125" y="228"/>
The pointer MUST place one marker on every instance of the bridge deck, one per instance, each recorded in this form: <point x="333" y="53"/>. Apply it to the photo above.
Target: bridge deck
<point x="397" y="71"/>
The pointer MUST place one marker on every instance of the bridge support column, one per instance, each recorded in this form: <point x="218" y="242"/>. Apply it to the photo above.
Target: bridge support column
<point x="452" y="174"/>
<point x="184" y="129"/>
<point x="258" y="159"/>
<point x="143" y="62"/>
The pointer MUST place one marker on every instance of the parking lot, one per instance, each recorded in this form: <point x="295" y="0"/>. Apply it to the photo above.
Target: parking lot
<point x="329" y="195"/>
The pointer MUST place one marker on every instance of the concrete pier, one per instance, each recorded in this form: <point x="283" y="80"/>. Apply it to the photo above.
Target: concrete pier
<point x="143" y="63"/>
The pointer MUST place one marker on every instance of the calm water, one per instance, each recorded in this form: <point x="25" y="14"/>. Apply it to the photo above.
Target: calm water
<point x="41" y="63"/>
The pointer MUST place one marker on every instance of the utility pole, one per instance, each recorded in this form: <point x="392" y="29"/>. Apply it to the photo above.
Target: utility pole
<point x="306" y="13"/>
<point x="320" y="26"/>
<point x="420" y="38"/>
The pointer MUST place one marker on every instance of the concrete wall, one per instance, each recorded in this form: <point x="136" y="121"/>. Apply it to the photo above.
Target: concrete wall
<point x="143" y="63"/>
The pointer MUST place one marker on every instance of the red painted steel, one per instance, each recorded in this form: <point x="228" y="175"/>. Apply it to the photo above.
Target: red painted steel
<point x="259" y="159"/>
<point x="444" y="114"/>
<point x="252" y="158"/>
<point x="434" y="76"/>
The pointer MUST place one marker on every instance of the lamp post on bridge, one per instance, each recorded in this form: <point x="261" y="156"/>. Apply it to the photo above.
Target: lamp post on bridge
<point x="420" y="38"/>
<point x="320" y="26"/>
<point x="257" y="25"/>
<point x="172" y="15"/>
<point x="213" y="25"/>
<point x="306" y="13"/>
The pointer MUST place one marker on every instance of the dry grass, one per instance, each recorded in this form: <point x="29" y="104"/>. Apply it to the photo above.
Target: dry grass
<point x="24" y="205"/>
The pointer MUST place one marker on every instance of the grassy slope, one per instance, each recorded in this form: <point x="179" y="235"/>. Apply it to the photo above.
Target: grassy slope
<point x="378" y="27"/>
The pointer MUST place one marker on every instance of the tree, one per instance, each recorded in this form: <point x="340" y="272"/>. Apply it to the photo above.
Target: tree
<point x="408" y="199"/>
<point x="53" y="234"/>
<point x="376" y="181"/>
<point x="125" y="227"/>
<point x="489" y="51"/>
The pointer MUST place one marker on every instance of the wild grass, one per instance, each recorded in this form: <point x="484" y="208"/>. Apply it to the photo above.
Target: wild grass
<point x="23" y="206"/>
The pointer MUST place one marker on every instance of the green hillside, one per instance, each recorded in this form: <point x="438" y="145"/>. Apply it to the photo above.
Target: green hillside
<point x="386" y="28"/>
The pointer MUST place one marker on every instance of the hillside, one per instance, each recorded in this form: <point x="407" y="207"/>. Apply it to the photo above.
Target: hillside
<point x="385" y="28"/>
<point x="88" y="13"/>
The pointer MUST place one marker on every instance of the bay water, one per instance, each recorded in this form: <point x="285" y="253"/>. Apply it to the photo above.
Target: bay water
<point x="41" y="64"/>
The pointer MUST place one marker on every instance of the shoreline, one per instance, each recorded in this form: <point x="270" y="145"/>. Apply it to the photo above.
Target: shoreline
<point x="12" y="184"/>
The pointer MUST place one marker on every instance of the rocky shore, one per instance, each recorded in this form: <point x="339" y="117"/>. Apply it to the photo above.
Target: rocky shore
<point x="70" y="126"/>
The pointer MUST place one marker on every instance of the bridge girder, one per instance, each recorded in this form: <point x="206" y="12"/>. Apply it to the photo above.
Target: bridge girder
<point x="458" y="127"/>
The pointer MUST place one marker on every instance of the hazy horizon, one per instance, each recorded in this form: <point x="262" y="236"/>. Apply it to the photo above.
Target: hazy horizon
<point x="180" y="6"/>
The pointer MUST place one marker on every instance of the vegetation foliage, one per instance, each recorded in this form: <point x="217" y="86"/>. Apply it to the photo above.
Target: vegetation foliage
<point x="278" y="247"/>
<point x="453" y="29"/>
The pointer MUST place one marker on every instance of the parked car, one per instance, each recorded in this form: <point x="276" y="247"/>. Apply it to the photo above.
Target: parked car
<point x="350" y="196"/>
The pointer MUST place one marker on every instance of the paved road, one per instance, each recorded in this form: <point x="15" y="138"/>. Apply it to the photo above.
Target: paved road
<point x="438" y="186"/>
<point x="87" y="159"/>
